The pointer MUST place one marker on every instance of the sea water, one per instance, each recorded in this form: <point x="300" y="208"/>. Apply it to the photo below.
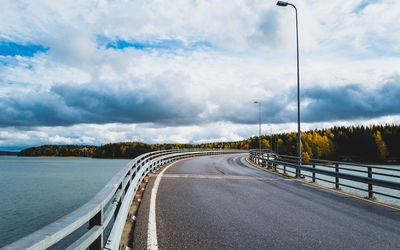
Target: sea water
<point x="36" y="191"/>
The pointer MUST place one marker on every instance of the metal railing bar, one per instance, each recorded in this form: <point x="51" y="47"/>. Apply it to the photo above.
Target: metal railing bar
<point x="334" y="162"/>
<point x="109" y="213"/>
<point x="352" y="170"/>
<point x="288" y="159"/>
<point x="325" y="180"/>
<point x="387" y="195"/>
<point x="387" y="175"/>
<point x="126" y="181"/>
<point x="349" y="186"/>
<point x="362" y="171"/>
<point x="358" y="171"/>
<point x="56" y="231"/>
<point x="290" y="171"/>
<point x="116" y="231"/>
<point x="305" y="175"/>
<point x="339" y="175"/>
<point x="318" y="165"/>
<point x="87" y="239"/>
<point x="385" y="168"/>
<point x="377" y="182"/>
<point x="322" y="161"/>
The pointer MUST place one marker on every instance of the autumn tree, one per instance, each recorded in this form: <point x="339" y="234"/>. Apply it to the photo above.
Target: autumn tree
<point x="381" y="145"/>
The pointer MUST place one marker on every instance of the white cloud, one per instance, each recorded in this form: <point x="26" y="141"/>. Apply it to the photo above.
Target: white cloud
<point x="209" y="89"/>
<point x="94" y="134"/>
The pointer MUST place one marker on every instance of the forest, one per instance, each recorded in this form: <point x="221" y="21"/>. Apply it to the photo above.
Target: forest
<point x="8" y="153"/>
<point x="368" y="144"/>
<point x="60" y="150"/>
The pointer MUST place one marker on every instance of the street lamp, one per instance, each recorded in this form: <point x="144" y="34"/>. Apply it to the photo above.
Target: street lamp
<point x="284" y="4"/>
<point x="259" y="128"/>
<point x="271" y="140"/>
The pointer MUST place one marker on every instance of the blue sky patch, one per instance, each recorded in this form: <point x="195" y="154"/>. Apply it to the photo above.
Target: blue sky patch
<point x="14" y="49"/>
<point x="163" y="44"/>
<point x="364" y="4"/>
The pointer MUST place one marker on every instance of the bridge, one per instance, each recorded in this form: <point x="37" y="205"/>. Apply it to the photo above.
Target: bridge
<point x="230" y="199"/>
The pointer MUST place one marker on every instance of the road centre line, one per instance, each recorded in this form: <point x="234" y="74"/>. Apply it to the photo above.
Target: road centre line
<point x="224" y="177"/>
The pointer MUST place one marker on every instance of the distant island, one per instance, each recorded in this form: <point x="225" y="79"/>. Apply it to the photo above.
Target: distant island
<point x="8" y="153"/>
<point x="368" y="144"/>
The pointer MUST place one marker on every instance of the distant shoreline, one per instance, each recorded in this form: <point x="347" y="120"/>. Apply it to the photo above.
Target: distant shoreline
<point x="71" y="156"/>
<point x="8" y="153"/>
<point x="374" y="144"/>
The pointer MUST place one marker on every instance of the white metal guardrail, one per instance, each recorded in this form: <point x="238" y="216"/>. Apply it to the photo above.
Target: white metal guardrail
<point x="113" y="200"/>
<point x="372" y="176"/>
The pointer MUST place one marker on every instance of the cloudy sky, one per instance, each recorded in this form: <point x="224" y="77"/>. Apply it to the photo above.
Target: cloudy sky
<point x="187" y="71"/>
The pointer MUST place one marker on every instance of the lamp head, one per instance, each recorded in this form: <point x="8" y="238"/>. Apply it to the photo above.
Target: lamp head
<point x="256" y="102"/>
<point x="281" y="3"/>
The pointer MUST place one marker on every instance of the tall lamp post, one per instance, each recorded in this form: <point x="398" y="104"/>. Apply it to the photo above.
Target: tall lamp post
<point x="284" y="4"/>
<point x="259" y="127"/>
<point x="271" y="140"/>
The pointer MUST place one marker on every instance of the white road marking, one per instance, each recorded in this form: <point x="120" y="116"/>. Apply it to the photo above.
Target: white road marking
<point x="226" y="177"/>
<point x="152" y="243"/>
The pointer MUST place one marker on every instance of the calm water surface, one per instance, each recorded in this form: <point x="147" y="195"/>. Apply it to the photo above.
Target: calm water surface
<point x="37" y="191"/>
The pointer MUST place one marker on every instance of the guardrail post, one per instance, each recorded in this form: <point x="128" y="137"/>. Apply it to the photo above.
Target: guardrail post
<point x="313" y="173"/>
<point x="97" y="220"/>
<point x="337" y="178"/>
<point x="370" y="192"/>
<point x="118" y="202"/>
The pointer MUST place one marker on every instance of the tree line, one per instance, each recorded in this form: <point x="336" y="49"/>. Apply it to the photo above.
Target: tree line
<point x="60" y="150"/>
<point x="375" y="143"/>
<point x="8" y="153"/>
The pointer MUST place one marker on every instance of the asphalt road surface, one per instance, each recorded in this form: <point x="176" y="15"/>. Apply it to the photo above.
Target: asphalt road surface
<point x="222" y="202"/>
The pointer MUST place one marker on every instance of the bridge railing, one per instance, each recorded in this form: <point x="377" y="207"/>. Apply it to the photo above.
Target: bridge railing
<point x="378" y="180"/>
<point x="112" y="201"/>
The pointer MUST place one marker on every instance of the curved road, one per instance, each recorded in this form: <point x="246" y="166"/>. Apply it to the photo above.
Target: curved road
<point x="222" y="202"/>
